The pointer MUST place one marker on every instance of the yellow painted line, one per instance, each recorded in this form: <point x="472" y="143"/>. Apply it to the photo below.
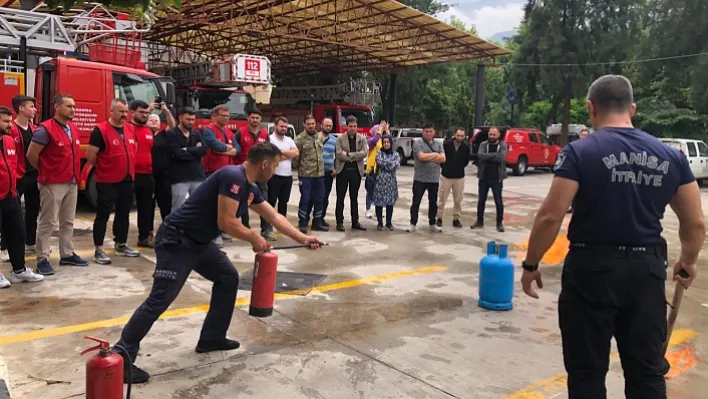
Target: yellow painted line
<point x="54" y="332"/>
<point x="558" y="384"/>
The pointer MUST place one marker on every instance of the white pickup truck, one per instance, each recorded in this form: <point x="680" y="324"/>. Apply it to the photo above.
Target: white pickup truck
<point x="403" y="141"/>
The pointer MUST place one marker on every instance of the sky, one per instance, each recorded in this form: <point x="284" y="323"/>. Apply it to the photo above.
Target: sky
<point x="488" y="16"/>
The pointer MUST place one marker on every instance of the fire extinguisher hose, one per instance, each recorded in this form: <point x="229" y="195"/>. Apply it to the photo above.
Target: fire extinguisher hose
<point x="130" y="369"/>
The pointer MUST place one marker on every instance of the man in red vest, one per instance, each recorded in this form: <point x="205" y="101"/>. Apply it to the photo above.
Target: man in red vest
<point x="56" y="155"/>
<point x="112" y="148"/>
<point x="10" y="209"/>
<point x="21" y="131"/>
<point x="144" y="183"/>
<point x="219" y="140"/>
<point x="247" y="137"/>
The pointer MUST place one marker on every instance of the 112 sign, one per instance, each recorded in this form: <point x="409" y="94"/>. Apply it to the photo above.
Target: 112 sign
<point x="253" y="68"/>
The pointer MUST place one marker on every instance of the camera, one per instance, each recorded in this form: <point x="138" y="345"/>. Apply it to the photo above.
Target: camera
<point x="158" y="100"/>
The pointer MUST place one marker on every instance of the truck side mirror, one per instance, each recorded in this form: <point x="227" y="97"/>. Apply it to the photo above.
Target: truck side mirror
<point x="171" y="97"/>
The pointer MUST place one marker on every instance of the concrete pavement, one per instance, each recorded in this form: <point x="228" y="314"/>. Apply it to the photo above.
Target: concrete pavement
<point x="393" y="316"/>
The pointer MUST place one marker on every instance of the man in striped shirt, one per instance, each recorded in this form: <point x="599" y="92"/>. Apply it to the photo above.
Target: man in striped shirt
<point x="328" y="154"/>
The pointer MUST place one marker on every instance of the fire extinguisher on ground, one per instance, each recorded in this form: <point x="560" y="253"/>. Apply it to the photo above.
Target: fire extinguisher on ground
<point x="104" y="372"/>
<point x="265" y="273"/>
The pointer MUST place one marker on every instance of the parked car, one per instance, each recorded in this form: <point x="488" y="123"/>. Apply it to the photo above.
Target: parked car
<point x="270" y="127"/>
<point x="697" y="153"/>
<point x="527" y="148"/>
<point x="403" y="141"/>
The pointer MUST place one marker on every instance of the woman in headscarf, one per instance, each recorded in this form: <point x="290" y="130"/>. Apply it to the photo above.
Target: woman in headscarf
<point x="374" y="142"/>
<point x="385" y="193"/>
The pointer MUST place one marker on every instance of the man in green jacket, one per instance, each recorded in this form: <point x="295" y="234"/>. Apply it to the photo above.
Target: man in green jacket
<point x="310" y="175"/>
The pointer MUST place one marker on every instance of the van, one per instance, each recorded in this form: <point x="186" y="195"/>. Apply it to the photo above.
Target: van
<point x="526" y="148"/>
<point x="695" y="151"/>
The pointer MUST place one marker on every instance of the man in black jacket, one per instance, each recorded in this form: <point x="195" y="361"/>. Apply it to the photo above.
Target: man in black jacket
<point x="452" y="176"/>
<point x="187" y="149"/>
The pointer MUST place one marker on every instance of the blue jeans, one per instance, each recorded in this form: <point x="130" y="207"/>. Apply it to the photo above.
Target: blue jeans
<point x="311" y="189"/>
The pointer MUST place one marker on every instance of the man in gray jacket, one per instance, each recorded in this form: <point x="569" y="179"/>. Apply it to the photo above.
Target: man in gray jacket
<point x="491" y="174"/>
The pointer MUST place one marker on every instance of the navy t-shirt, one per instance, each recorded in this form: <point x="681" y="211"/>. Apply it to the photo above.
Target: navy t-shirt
<point x="198" y="215"/>
<point x="626" y="179"/>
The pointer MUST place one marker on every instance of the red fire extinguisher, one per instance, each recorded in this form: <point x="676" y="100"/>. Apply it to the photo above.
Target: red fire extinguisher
<point x="265" y="271"/>
<point x="104" y="372"/>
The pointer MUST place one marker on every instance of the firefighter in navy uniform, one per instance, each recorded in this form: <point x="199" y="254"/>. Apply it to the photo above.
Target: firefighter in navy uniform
<point x="184" y="242"/>
<point x="614" y="277"/>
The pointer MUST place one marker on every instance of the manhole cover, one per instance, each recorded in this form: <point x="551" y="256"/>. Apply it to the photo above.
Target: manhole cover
<point x="77" y="232"/>
<point x="286" y="282"/>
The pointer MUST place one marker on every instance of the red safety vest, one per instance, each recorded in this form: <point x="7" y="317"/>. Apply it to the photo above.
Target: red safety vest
<point x="8" y="168"/>
<point x="214" y="161"/>
<point x="246" y="142"/>
<point x="17" y="135"/>
<point x="143" y="155"/>
<point x="118" y="159"/>
<point x="60" y="160"/>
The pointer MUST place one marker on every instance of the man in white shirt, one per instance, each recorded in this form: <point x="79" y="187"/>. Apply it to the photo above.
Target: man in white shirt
<point x="280" y="185"/>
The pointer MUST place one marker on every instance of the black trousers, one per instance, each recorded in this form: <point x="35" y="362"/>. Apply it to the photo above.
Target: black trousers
<point x="609" y="293"/>
<point x="419" y="189"/>
<point x="144" y="199"/>
<point x="119" y="195"/>
<point x="484" y="186"/>
<point x="177" y="255"/>
<point x="163" y="193"/>
<point x="27" y="186"/>
<point x="329" y="180"/>
<point x="13" y="231"/>
<point x="348" y="179"/>
<point x="279" y="188"/>
<point x="389" y="214"/>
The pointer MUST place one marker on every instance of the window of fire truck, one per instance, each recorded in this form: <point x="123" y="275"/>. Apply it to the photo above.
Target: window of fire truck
<point x="132" y="87"/>
<point x="364" y="118"/>
<point x="236" y="102"/>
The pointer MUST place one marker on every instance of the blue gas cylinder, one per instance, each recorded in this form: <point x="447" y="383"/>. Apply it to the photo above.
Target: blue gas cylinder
<point x="496" y="278"/>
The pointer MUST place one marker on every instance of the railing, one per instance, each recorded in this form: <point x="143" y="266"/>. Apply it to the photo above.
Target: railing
<point x="14" y="66"/>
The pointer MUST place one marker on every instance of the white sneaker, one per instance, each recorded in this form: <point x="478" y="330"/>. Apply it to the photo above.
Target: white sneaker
<point x="27" y="276"/>
<point x="5" y="256"/>
<point x="435" y="228"/>
<point x="410" y="228"/>
<point x="369" y="215"/>
<point x="4" y="283"/>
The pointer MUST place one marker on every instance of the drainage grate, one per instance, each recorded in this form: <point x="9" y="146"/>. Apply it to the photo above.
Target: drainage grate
<point x="286" y="282"/>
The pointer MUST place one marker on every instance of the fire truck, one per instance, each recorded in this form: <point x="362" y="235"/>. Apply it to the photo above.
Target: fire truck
<point x="356" y="97"/>
<point x="238" y="82"/>
<point x="113" y="69"/>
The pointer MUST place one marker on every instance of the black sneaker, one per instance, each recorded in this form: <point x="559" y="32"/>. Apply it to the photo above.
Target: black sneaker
<point x="379" y="227"/>
<point x="221" y="345"/>
<point x="134" y="375"/>
<point x="147" y="243"/>
<point x="269" y="235"/>
<point x="340" y="226"/>
<point x="44" y="268"/>
<point x="500" y="228"/>
<point x="319" y="227"/>
<point x="438" y="222"/>
<point x="73" y="260"/>
<point x="125" y="250"/>
<point x="303" y="229"/>
<point x="389" y="227"/>
<point x="100" y="257"/>
<point x="456" y="223"/>
<point x="477" y="225"/>
<point x="359" y="227"/>
<point x="324" y="224"/>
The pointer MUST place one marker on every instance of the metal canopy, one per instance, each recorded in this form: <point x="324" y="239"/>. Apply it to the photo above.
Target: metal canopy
<point x="310" y="36"/>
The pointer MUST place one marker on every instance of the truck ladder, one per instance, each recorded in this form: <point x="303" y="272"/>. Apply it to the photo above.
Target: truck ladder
<point x="61" y="33"/>
<point x="364" y="92"/>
